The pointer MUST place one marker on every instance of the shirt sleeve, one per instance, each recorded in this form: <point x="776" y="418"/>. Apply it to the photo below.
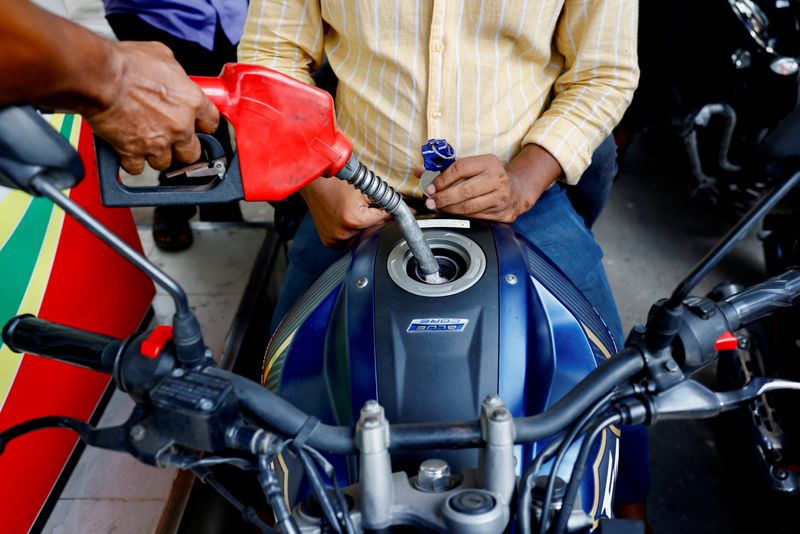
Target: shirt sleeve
<point x="286" y="36"/>
<point x="597" y="39"/>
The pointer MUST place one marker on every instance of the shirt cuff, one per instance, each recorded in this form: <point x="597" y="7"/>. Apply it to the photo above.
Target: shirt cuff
<point x="564" y="140"/>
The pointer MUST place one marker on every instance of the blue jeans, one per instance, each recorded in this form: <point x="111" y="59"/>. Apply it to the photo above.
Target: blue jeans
<point x="590" y="195"/>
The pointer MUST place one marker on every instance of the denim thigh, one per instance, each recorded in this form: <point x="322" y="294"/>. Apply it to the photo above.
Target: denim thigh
<point x="560" y="233"/>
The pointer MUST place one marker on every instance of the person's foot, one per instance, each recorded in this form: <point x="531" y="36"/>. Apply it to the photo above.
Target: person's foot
<point x="636" y="511"/>
<point x="171" y="234"/>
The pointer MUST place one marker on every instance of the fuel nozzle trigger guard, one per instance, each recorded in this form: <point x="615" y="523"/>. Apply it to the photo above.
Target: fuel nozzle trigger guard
<point x="216" y="181"/>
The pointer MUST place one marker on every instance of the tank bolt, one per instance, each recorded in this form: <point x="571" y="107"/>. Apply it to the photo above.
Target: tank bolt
<point x="671" y="366"/>
<point x="639" y="328"/>
<point x="137" y="433"/>
<point x="433" y="476"/>
<point x="510" y="279"/>
<point x="500" y="415"/>
<point x="177" y="373"/>
<point x="206" y="404"/>
<point x="744" y="342"/>
<point x="361" y="283"/>
<point x="208" y="354"/>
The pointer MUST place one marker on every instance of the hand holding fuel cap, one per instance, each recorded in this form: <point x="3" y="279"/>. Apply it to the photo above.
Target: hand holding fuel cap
<point x="482" y="187"/>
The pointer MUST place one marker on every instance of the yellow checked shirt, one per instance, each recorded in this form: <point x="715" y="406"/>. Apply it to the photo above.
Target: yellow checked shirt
<point x="490" y="76"/>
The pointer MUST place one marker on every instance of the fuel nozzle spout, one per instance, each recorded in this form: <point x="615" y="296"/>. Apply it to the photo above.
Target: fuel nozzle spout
<point x="386" y="198"/>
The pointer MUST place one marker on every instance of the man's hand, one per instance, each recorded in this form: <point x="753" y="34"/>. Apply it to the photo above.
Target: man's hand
<point x="155" y="111"/>
<point x="340" y="211"/>
<point x="482" y="188"/>
<point x="133" y="94"/>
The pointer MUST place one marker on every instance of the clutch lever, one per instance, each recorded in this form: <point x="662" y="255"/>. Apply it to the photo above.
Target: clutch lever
<point x="756" y="387"/>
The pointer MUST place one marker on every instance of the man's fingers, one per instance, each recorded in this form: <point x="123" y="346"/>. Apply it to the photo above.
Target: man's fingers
<point x="187" y="151"/>
<point x="161" y="160"/>
<point x="473" y="206"/>
<point x="133" y="165"/>
<point x="461" y="168"/>
<point x="476" y="186"/>
<point x="207" y="116"/>
<point x="418" y="170"/>
<point x="371" y="216"/>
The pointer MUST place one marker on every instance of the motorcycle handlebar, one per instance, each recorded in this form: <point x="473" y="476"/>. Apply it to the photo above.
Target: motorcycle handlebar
<point x="26" y="333"/>
<point x="762" y="299"/>
<point x="287" y="419"/>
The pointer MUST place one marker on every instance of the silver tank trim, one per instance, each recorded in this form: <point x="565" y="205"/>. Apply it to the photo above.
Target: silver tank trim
<point x="465" y="247"/>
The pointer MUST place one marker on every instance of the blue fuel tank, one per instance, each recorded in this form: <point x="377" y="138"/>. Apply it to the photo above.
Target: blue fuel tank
<point x="508" y="322"/>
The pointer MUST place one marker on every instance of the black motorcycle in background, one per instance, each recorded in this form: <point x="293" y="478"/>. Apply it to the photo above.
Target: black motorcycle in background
<point x="721" y="78"/>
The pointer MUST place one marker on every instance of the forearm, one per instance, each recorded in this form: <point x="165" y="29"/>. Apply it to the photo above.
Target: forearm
<point x="49" y="61"/>
<point x="536" y="167"/>
<point x="285" y="36"/>
<point x="598" y="41"/>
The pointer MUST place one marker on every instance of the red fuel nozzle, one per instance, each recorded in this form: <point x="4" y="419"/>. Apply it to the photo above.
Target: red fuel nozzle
<point x="285" y="130"/>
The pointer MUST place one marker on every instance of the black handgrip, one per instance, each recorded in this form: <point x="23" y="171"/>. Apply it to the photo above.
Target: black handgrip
<point x="26" y="333"/>
<point x="116" y="194"/>
<point x="762" y="299"/>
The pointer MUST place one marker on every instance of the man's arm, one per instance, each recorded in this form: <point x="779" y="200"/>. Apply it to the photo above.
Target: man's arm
<point x="133" y="94"/>
<point x="288" y="36"/>
<point x="598" y="41"/>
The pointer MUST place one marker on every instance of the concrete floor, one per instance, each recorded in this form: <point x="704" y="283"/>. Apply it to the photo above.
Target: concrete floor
<point x="652" y="233"/>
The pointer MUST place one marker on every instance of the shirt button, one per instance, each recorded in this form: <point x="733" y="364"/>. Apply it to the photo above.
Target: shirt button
<point x="436" y="115"/>
<point x="438" y="46"/>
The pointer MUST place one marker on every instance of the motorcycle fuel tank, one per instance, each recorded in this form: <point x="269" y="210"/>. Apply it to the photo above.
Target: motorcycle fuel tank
<point x="507" y="322"/>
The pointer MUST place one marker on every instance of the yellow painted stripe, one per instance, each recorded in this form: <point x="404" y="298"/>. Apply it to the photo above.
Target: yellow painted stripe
<point x="596" y="471"/>
<point x="285" y="470"/>
<point x="32" y="301"/>
<point x="56" y="120"/>
<point x="594" y="339"/>
<point x="75" y="133"/>
<point x="12" y="208"/>
<point x="276" y="355"/>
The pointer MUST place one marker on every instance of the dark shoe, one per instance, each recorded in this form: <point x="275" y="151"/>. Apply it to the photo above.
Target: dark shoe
<point x="171" y="233"/>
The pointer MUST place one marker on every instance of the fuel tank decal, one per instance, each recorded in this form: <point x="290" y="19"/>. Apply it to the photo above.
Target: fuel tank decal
<point x="603" y="508"/>
<point x="437" y="324"/>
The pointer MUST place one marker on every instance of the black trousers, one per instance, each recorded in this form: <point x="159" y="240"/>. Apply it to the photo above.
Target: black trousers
<point x="194" y="59"/>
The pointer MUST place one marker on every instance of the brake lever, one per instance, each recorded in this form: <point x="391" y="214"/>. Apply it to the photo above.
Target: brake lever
<point x="692" y="400"/>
